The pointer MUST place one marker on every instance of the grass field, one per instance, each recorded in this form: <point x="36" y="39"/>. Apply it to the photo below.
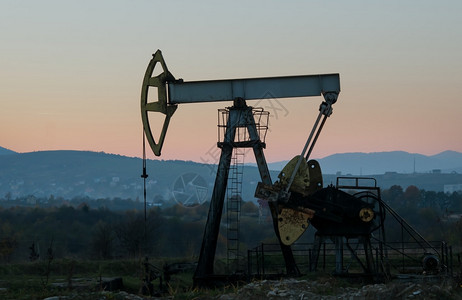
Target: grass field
<point x="82" y="279"/>
<point x="67" y="277"/>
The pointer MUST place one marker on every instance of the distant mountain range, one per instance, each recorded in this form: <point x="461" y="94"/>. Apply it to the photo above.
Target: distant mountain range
<point x="95" y="175"/>
<point x="382" y="162"/>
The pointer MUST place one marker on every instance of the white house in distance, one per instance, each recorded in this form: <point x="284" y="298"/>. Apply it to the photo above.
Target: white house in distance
<point x="451" y="188"/>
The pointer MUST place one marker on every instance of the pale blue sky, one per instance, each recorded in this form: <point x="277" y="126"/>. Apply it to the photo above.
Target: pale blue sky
<point x="71" y="71"/>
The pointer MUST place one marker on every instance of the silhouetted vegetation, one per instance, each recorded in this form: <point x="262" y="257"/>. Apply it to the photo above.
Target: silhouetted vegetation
<point x="115" y="228"/>
<point x="435" y="215"/>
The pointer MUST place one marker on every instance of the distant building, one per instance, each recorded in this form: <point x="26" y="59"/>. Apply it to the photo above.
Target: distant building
<point x="451" y="188"/>
<point x="454" y="217"/>
<point x="391" y="173"/>
<point x="31" y="200"/>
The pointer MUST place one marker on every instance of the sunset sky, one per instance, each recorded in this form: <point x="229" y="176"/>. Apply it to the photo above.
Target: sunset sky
<point x="71" y="72"/>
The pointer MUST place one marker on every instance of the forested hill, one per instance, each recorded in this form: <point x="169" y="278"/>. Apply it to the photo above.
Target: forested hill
<point x="6" y="151"/>
<point x="96" y="175"/>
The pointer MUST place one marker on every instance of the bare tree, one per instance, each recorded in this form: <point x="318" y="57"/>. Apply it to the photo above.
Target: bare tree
<point x="130" y="233"/>
<point x="136" y="234"/>
<point x="103" y="240"/>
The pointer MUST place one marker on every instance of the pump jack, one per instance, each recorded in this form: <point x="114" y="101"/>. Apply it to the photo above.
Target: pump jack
<point x="300" y="178"/>
<point x="298" y="197"/>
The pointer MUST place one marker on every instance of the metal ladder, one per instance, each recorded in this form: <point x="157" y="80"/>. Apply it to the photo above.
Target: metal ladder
<point x="233" y="213"/>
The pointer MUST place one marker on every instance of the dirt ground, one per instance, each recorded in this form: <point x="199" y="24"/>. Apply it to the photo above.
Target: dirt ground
<point x="333" y="289"/>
